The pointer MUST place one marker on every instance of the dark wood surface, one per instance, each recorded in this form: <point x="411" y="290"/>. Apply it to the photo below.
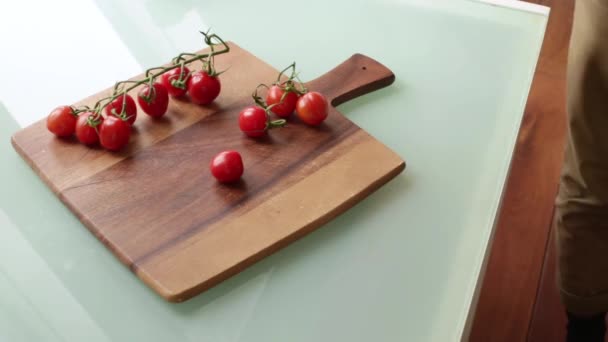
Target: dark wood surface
<point x="156" y="206"/>
<point x="507" y="299"/>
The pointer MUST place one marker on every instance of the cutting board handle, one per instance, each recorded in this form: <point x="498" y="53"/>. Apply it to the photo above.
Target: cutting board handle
<point x="356" y="76"/>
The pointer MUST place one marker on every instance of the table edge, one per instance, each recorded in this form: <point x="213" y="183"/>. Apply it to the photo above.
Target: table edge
<point x="518" y="5"/>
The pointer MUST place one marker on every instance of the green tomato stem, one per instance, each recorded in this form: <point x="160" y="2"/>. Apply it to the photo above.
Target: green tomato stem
<point x="276" y="123"/>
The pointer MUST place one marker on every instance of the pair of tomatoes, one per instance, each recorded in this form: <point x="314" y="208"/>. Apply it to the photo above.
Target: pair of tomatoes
<point x="153" y="100"/>
<point x="312" y="108"/>
<point x="201" y="86"/>
<point x="111" y="132"/>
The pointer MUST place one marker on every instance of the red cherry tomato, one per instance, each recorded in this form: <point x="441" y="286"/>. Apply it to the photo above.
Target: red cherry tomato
<point x="227" y="167"/>
<point x="253" y="121"/>
<point x="114" y="108"/>
<point x="153" y="101"/>
<point x="176" y="80"/>
<point x="285" y="108"/>
<point x="62" y="121"/>
<point x="312" y="108"/>
<point x="86" y="133"/>
<point x="114" y="133"/>
<point x="202" y="88"/>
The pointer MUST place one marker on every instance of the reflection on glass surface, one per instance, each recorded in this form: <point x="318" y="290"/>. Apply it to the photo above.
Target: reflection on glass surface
<point x="401" y="265"/>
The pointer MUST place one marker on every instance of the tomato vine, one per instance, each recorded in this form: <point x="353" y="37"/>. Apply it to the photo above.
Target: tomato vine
<point x="180" y="61"/>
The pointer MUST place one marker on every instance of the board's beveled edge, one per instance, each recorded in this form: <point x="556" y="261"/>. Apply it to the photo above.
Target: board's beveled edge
<point x="279" y="245"/>
<point x="17" y="147"/>
<point x="82" y="218"/>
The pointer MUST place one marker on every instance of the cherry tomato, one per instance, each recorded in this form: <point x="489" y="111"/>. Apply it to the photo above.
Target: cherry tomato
<point x="153" y="101"/>
<point x="253" y="121"/>
<point x="114" y="133"/>
<point x="227" y="167"/>
<point x="62" y="121"/>
<point x="312" y="108"/>
<point x="86" y="133"/>
<point x="171" y="81"/>
<point x="203" y="89"/>
<point x="114" y="108"/>
<point x="285" y="108"/>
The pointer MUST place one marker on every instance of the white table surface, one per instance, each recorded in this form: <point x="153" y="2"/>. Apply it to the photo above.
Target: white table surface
<point x="403" y="265"/>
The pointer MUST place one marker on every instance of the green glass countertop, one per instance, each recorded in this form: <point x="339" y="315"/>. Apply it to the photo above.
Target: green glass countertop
<point x="403" y="265"/>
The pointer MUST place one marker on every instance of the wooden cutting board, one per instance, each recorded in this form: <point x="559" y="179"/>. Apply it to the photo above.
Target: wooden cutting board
<point x="158" y="209"/>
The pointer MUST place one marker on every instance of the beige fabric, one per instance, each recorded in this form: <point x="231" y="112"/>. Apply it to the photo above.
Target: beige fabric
<point x="582" y="204"/>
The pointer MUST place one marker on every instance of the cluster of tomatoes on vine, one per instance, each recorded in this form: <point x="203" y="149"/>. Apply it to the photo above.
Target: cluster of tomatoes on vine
<point x="283" y="98"/>
<point x="111" y="126"/>
<point x="109" y="122"/>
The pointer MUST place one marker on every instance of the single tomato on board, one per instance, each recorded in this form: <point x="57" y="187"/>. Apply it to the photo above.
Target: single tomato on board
<point x="203" y="88"/>
<point x="86" y="131"/>
<point x="253" y="121"/>
<point x="154" y="100"/>
<point x="283" y="103"/>
<point x="227" y="167"/>
<point x="176" y="81"/>
<point x="114" y="133"/>
<point x="312" y="108"/>
<point x="62" y="121"/>
<point x="123" y="105"/>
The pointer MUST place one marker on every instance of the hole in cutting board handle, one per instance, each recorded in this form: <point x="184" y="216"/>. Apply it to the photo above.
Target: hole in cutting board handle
<point x="343" y="83"/>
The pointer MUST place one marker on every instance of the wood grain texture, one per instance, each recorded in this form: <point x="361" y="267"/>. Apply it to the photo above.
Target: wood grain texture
<point x="512" y="276"/>
<point x="157" y="208"/>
